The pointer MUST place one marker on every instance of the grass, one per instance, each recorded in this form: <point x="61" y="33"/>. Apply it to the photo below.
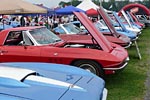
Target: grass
<point x="130" y="83"/>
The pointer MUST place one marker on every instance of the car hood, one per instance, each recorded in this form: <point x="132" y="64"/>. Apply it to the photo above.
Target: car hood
<point x="133" y="29"/>
<point x="107" y="20"/>
<point x="70" y="37"/>
<point x="50" y="83"/>
<point x="122" y="37"/>
<point x="120" y="22"/>
<point x="115" y="40"/>
<point x="87" y="39"/>
<point x="94" y="32"/>
<point x="119" y="52"/>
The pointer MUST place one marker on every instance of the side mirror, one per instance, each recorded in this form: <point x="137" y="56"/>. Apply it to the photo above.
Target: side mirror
<point x="21" y="43"/>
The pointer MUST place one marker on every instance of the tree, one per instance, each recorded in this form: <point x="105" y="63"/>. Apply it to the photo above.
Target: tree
<point x="63" y="4"/>
<point x="72" y="2"/>
<point x="114" y="5"/>
<point x="75" y="2"/>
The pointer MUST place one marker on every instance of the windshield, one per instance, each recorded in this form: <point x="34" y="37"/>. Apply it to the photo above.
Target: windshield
<point x="72" y="28"/>
<point x="113" y="20"/>
<point x="44" y="36"/>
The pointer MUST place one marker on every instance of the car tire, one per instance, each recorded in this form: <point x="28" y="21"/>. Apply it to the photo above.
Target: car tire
<point x="90" y="66"/>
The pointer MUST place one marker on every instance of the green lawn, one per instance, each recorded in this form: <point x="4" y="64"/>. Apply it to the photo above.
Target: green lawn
<point x="130" y="83"/>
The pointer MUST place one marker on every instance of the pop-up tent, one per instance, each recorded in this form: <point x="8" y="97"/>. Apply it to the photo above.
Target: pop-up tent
<point x="87" y="4"/>
<point x="92" y="12"/>
<point x="49" y="12"/>
<point x="19" y="7"/>
<point x="89" y="7"/>
<point x="68" y="10"/>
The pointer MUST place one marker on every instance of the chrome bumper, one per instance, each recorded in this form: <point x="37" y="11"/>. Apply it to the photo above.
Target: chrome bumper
<point x="105" y="92"/>
<point x="135" y="38"/>
<point x="128" y="45"/>
<point x="121" y="67"/>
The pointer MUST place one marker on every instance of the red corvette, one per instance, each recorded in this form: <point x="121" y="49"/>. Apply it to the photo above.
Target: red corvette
<point x="69" y="31"/>
<point x="38" y="44"/>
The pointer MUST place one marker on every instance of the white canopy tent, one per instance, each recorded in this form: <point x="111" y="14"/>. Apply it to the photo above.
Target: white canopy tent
<point x="87" y="4"/>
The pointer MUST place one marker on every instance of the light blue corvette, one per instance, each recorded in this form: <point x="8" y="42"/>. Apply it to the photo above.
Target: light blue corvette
<point x="121" y="29"/>
<point x="44" y="81"/>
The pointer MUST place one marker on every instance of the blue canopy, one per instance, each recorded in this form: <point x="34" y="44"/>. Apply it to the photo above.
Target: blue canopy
<point x="49" y="11"/>
<point x="68" y="10"/>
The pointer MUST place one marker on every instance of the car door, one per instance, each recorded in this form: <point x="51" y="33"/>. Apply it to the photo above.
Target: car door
<point x="13" y="51"/>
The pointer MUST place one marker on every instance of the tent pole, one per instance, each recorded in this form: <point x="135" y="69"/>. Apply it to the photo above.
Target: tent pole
<point x="100" y="2"/>
<point x="3" y="21"/>
<point x="71" y="2"/>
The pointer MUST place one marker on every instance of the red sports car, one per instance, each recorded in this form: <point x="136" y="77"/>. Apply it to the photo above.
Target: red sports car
<point x="69" y="31"/>
<point x="38" y="44"/>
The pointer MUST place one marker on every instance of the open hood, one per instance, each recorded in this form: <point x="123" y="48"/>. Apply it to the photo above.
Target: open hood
<point x="120" y="22"/>
<point x="126" y="18"/>
<point x="107" y="20"/>
<point x="96" y="35"/>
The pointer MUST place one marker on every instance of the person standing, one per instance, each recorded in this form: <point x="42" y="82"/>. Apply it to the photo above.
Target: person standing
<point x="22" y="21"/>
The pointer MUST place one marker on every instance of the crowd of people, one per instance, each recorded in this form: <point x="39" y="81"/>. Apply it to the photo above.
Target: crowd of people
<point x="11" y="21"/>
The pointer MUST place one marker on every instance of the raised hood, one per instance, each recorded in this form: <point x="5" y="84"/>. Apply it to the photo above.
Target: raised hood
<point x="107" y="20"/>
<point x="97" y="36"/>
<point x="126" y="18"/>
<point x="120" y="22"/>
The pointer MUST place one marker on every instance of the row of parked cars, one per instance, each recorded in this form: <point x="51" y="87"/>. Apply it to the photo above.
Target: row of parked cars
<point x="27" y="53"/>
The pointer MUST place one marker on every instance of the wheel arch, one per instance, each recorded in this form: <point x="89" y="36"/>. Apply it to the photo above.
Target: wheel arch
<point x="99" y="70"/>
<point x="85" y="60"/>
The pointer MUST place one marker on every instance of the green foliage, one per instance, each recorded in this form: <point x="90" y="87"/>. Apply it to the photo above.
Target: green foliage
<point x="75" y="2"/>
<point x="130" y="83"/>
<point x="72" y="2"/>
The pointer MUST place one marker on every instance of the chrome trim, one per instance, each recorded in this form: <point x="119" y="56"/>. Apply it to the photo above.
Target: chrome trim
<point x="121" y="67"/>
<point x="127" y="59"/>
<point x="128" y="45"/>
<point x="139" y="33"/>
<point x="135" y="38"/>
<point x="124" y="65"/>
<point x="143" y="26"/>
<point x="105" y="92"/>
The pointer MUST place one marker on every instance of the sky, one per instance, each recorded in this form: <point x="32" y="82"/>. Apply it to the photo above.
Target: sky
<point x="52" y="3"/>
<point x="47" y="3"/>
